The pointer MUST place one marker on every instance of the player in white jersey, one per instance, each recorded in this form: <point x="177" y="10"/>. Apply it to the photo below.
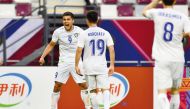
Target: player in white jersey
<point x="170" y="26"/>
<point x="95" y="40"/>
<point x="67" y="38"/>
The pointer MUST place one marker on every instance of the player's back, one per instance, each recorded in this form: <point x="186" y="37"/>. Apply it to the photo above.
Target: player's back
<point x="96" y="40"/>
<point x="169" y="26"/>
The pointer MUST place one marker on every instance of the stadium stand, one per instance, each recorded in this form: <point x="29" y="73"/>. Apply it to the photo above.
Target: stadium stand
<point x="110" y="1"/>
<point x="125" y="10"/>
<point x="143" y="1"/>
<point x="7" y="10"/>
<point x="6" y="1"/>
<point x="127" y="1"/>
<point x="108" y="9"/>
<point x="22" y="1"/>
<point x="181" y="1"/>
<point x="23" y="9"/>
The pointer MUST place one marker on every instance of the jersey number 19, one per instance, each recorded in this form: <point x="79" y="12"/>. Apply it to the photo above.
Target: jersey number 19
<point x="97" y="46"/>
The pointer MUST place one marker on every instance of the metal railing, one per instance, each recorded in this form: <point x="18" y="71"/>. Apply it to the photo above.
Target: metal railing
<point x="4" y="30"/>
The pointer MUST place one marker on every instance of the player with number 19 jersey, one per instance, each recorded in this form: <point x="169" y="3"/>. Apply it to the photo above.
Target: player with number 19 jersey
<point x="96" y="41"/>
<point x="169" y="26"/>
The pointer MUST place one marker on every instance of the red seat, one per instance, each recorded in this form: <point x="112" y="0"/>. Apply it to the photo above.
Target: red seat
<point x="181" y="1"/>
<point x="143" y="1"/>
<point x="125" y="10"/>
<point x="6" y="1"/>
<point x="23" y="9"/>
<point x="110" y="1"/>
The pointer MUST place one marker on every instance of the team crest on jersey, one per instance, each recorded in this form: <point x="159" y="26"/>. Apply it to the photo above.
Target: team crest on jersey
<point x="76" y="35"/>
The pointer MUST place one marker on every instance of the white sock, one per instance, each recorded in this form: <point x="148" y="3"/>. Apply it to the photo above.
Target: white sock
<point x="94" y="100"/>
<point x="175" y="101"/>
<point x="163" y="101"/>
<point x="85" y="98"/>
<point x="106" y="97"/>
<point x="55" y="98"/>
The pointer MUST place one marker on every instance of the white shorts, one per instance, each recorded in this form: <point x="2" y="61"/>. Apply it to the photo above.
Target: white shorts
<point x="98" y="81"/>
<point x="168" y="74"/>
<point x="64" y="71"/>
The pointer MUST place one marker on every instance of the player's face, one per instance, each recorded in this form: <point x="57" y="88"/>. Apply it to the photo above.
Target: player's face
<point x="68" y="22"/>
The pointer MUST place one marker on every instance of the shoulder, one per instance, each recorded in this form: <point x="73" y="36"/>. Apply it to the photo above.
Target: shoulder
<point x="185" y="17"/>
<point x="60" y="29"/>
<point x="153" y="11"/>
<point x="77" y="28"/>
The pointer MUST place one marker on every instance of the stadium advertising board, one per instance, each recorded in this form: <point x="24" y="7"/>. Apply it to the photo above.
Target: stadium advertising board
<point x="26" y="87"/>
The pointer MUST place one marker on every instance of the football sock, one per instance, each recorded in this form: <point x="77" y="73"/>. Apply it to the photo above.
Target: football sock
<point x="106" y="97"/>
<point x="163" y="101"/>
<point x="175" y="101"/>
<point x="94" y="100"/>
<point x="55" y="98"/>
<point x="86" y="98"/>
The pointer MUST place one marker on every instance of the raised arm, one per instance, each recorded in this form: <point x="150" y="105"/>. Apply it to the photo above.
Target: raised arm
<point x="151" y="5"/>
<point x="47" y="50"/>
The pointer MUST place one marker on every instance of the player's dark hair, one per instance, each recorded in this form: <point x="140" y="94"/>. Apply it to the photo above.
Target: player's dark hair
<point x="168" y="2"/>
<point x="92" y="16"/>
<point x="69" y="14"/>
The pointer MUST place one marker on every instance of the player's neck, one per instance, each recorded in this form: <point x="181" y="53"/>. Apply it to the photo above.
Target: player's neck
<point x="92" y="25"/>
<point x="166" y="6"/>
<point x="70" y="29"/>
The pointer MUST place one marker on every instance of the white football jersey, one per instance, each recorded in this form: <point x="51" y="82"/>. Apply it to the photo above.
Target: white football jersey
<point x="95" y="41"/>
<point x="67" y="43"/>
<point x="169" y="26"/>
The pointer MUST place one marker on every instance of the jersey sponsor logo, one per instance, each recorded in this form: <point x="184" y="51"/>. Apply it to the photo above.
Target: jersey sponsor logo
<point x="119" y="89"/>
<point x="16" y="87"/>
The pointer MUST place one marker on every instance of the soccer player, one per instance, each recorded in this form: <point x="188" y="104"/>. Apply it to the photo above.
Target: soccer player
<point x="67" y="38"/>
<point x="170" y="26"/>
<point x="95" y="40"/>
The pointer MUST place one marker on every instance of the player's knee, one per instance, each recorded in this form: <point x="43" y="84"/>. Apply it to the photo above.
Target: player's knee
<point x="83" y="86"/>
<point x="103" y="90"/>
<point x="174" y="90"/>
<point x="57" y="87"/>
<point x="162" y="91"/>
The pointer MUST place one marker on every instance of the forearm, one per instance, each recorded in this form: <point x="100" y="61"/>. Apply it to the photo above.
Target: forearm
<point x="112" y="56"/>
<point x="47" y="50"/>
<point x="151" y="5"/>
<point x="78" y="55"/>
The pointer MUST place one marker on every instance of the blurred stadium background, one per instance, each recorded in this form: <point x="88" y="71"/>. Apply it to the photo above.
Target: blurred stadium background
<point x="26" y="27"/>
